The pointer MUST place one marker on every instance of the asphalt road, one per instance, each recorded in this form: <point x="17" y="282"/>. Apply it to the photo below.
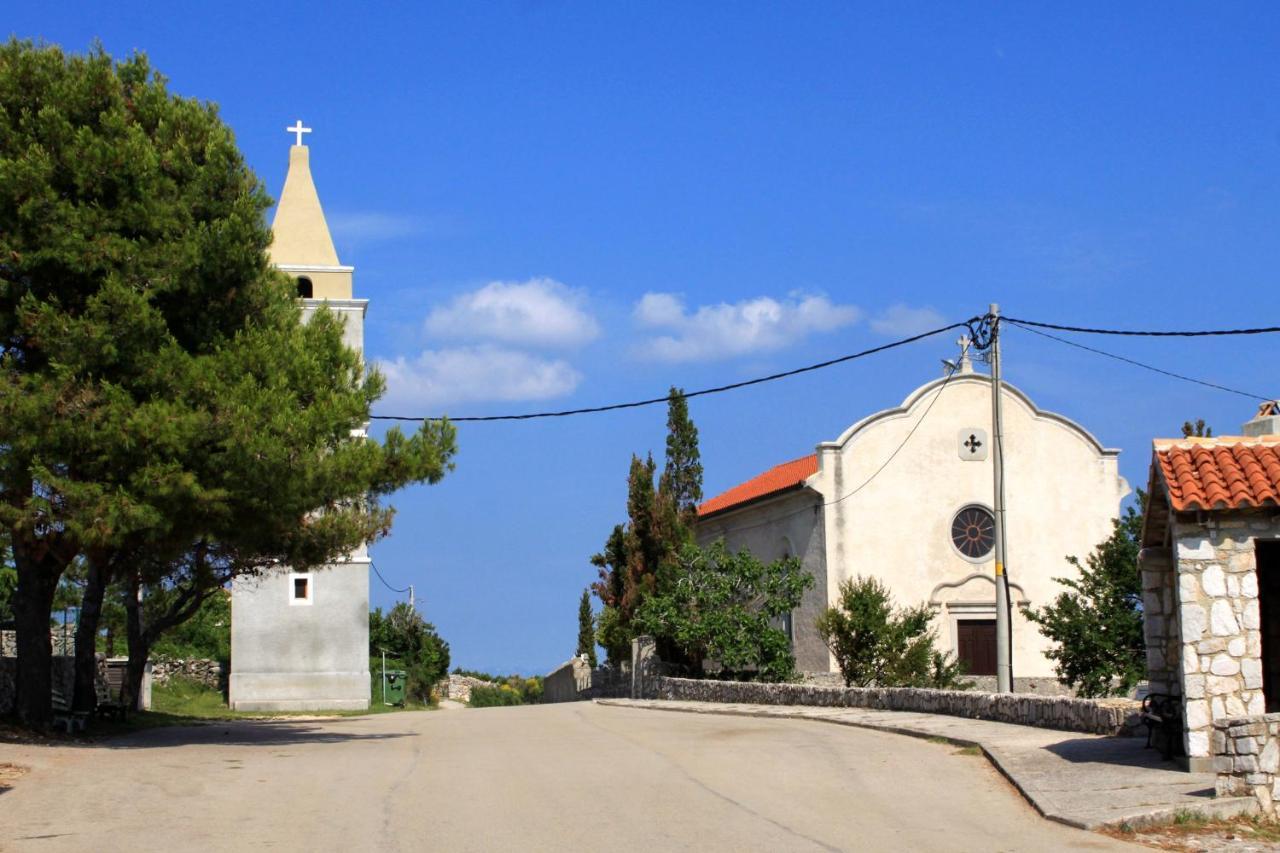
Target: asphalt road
<point x="555" y="777"/>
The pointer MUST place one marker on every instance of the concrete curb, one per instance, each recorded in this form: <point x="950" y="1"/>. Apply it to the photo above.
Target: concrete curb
<point x="1225" y="807"/>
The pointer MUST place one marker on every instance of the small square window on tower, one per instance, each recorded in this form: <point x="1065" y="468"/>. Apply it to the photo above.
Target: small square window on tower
<point x="300" y="588"/>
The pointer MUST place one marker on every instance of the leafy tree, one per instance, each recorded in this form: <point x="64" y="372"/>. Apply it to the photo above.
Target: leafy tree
<point x="165" y="419"/>
<point x="207" y="634"/>
<point x="586" y="628"/>
<point x="718" y="606"/>
<point x="1196" y="430"/>
<point x="1096" y="624"/>
<point x="406" y="637"/>
<point x="876" y="644"/>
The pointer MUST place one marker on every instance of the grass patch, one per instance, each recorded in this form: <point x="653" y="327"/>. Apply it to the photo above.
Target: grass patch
<point x="969" y="750"/>
<point x="1189" y="817"/>
<point x="1192" y="830"/>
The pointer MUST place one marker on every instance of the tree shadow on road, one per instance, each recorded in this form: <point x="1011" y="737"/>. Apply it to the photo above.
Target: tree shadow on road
<point x="277" y="732"/>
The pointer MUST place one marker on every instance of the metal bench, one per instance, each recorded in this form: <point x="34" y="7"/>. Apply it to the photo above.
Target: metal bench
<point x="1162" y="715"/>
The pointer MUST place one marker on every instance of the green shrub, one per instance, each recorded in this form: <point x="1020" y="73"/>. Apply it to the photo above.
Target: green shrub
<point x="498" y="695"/>
<point x="876" y="644"/>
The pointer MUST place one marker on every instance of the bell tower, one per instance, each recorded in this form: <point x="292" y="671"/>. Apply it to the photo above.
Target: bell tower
<point x="300" y="640"/>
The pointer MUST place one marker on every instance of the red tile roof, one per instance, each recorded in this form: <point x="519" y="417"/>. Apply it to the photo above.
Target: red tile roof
<point x="779" y="478"/>
<point x="1229" y="472"/>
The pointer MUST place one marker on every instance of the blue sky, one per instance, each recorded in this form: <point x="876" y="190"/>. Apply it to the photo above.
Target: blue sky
<point x="564" y="204"/>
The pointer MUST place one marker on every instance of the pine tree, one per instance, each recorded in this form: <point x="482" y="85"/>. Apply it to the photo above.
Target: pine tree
<point x="1196" y="429"/>
<point x="164" y="415"/>
<point x="586" y="629"/>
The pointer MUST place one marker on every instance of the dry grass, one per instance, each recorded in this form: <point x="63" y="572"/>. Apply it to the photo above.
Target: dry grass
<point x="1195" y="833"/>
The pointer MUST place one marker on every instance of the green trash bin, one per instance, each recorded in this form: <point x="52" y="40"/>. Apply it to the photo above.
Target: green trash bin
<point x="393" y="686"/>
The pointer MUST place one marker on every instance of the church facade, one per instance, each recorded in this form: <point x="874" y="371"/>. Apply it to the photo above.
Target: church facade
<point x="905" y="495"/>
<point x="300" y="640"/>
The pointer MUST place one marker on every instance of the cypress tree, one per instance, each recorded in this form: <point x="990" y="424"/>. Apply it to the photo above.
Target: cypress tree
<point x="586" y="628"/>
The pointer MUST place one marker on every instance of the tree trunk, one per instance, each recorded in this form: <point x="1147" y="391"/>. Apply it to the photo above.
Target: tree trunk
<point x="86" y="689"/>
<point x="139" y="645"/>
<point x="38" y="574"/>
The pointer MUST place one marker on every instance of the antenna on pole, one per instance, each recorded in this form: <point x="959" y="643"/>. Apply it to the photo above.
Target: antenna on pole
<point x="1004" y="651"/>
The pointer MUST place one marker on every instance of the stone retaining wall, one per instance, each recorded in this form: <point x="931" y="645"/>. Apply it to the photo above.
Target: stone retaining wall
<point x="62" y="637"/>
<point x="1246" y="757"/>
<point x="1105" y="717"/>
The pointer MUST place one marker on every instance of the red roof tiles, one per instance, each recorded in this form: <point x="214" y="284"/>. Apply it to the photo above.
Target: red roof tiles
<point x="1229" y="472"/>
<point x="779" y="478"/>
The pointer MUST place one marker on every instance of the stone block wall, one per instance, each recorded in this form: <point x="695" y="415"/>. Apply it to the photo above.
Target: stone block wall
<point x="1106" y="717"/>
<point x="1220" y="624"/>
<point x="1160" y="621"/>
<point x="1246" y="757"/>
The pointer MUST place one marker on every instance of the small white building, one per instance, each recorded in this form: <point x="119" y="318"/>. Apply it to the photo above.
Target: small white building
<point x="905" y="495"/>
<point x="300" y="640"/>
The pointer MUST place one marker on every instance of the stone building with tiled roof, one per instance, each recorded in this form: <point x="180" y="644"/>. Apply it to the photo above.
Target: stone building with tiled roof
<point x="905" y="495"/>
<point x="1211" y="578"/>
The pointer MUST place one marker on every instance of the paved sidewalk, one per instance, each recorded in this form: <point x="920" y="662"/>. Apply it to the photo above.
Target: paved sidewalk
<point x="1086" y="781"/>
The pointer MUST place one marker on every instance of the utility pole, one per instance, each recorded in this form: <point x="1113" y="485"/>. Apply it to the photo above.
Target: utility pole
<point x="410" y="596"/>
<point x="1004" y="652"/>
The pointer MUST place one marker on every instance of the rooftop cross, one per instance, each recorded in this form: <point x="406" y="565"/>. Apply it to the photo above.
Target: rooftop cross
<point x="299" y="130"/>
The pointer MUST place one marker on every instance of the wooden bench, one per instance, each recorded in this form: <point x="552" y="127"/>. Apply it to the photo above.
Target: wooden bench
<point x="1162" y="715"/>
<point x="63" y="716"/>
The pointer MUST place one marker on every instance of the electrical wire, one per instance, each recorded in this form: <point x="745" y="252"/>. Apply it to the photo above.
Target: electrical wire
<point x="1025" y="327"/>
<point x="1204" y="333"/>
<point x="945" y="382"/>
<point x="374" y="566"/>
<point x="690" y="394"/>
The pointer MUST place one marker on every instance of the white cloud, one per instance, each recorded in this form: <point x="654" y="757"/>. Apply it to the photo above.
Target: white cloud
<point x="903" y="321"/>
<point x="370" y="226"/>
<point x="727" y="330"/>
<point x="537" y="312"/>
<point x="472" y="374"/>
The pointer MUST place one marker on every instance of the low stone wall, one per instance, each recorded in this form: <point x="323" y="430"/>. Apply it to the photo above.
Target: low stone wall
<point x="64" y="675"/>
<point x="1105" y="717"/>
<point x="567" y="682"/>
<point x="575" y="680"/>
<point x="210" y="673"/>
<point x="458" y="687"/>
<point x="980" y="683"/>
<point x="1246" y="757"/>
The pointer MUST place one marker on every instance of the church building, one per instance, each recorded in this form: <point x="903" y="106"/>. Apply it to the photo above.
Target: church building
<point x="905" y="495"/>
<point x="300" y="640"/>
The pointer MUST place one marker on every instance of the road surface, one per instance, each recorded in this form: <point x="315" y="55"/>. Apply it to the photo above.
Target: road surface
<point x="564" y="777"/>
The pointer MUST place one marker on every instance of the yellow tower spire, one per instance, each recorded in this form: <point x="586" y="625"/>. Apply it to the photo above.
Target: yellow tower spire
<point x="302" y="245"/>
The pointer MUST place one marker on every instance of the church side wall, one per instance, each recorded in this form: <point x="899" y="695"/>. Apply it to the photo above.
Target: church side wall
<point x="789" y="525"/>
<point x="1061" y="492"/>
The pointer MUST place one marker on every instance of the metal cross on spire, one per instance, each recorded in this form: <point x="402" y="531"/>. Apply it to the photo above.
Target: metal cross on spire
<point x="299" y="130"/>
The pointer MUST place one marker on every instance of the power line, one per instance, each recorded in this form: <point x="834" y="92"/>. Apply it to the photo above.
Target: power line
<point x="945" y="382"/>
<point x="1204" y="333"/>
<point x="1023" y="325"/>
<point x="374" y="566"/>
<point x="968" y="324"/>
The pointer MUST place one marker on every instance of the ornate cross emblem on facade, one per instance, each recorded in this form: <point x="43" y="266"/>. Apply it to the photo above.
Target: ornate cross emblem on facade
<point x="972" y="443"/>
<point x="299" y="130"/>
